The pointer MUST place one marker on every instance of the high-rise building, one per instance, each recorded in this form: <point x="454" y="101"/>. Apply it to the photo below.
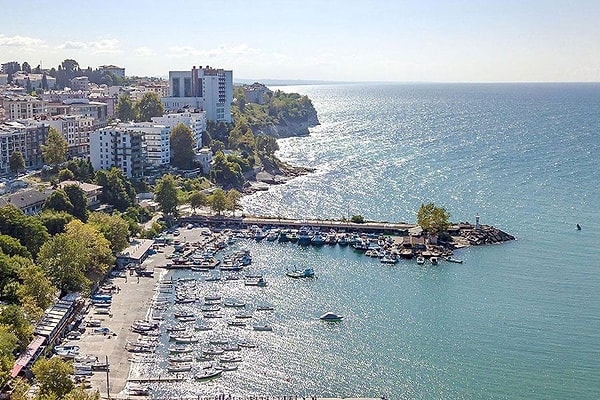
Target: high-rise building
<point x="196" y="121"/>
<point x="25" y="137"/>
<point x="207" y="89"/>
<point x="117" y="146"/>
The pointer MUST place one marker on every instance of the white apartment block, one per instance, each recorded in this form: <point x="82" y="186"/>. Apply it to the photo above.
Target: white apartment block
<point x="207" y="89"/>
<point x="76" y="130"/>
<point x="25" y="137"/>
<point x="156" y="142"/>
<point x="117" y="146"/>
<point x="196" y="121"/>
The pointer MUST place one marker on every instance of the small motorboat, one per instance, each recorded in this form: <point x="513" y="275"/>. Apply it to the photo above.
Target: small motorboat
<point x="262" y="328"/>
<point x="433" y="260"/>
<point x="296" y="273"/>
<point x="208" y="374"/>
<point x="454" y="260"/>
<point x="329" y="316"/>
<point x="420" y="260"/>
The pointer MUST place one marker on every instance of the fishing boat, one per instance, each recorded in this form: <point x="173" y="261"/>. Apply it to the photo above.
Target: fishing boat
<point x="260" y="282"/>
<point x="264" y="308"/>
<point x="266" y="328"/>
<point x="181" y="358"/>
<point x="420" y="260"/>
<point x="454" y="260"/>
<point x="433" y="260"/>
<point x="180" y="349"/>
<point x="184" y="367"/>
<point x="233" y="303"/>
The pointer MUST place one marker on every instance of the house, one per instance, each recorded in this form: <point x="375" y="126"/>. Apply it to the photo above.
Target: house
<point x="29" y="201"/>
<point x="136" y="253"/>
<point x="92" y="192"/>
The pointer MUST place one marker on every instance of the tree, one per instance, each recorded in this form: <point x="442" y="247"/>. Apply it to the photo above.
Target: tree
<point x="8" y="342"/>
<point x="116" y="188"/>
<point x="75" y="259"/>
<point x="149" y="106"/>
<point x="357" y="219"/>
<point x="218" y="201"/>
<point x="266" y="145"/>
<point x="114" y="228"/>
<point x="58" y="201"/>
<point x="233" y="200"/>
<point x="12" y="247"/>
<point x="182" y="147"/>
<point x="125" y="110"/>
<point x="165" y="194"/>
<point x="65" y="175"/>
<point x="226" y="173"/>
<point x="44" y="82"/>
<point x="53" y="376"/>
<point x="78" y="198"/>
<point x="55" y="221"/>
<point x="79" y="393"/>
<point x="197" y="199"/>
<point x="26" y="67"/>
<point x="433" y="219"/>
<point x="28" y="230"/>
<point x="36" y="292"/>
<point x="55" y="149"/>
<point x="13" y="317"/>
<point x="16" y="162"/>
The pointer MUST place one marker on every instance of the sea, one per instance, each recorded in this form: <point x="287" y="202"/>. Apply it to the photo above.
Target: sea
<point x="519" y="320"/>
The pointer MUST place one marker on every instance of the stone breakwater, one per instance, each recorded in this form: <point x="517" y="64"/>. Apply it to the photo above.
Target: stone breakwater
<point x="485" y="235"/>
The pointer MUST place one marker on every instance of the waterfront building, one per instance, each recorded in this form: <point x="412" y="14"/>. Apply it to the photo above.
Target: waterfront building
<point x="196" y="121"/>
<point x="76" y="130"/>
<point x="208" y="89"/>
<point x="25" y="136"/>
<point x="117" y="146"/>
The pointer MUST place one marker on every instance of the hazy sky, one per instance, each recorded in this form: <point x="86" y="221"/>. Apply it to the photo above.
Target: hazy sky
<point x="394" y="40"/>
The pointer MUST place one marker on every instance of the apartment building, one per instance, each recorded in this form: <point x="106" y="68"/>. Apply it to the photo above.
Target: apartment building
<point x="207" y="89"/>
<point x="196" y="121"/>
<point x="117" y="146"/>
<point x="76" y="130"/>
<point x="25" y="137"/>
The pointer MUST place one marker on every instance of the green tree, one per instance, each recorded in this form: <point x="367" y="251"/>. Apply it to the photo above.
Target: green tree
<point x="27" y="229"/>
<point x="357" y="219"/>
<point x="55" y="221"/>
<point x="182" y="147"/>
<point x="36" y="292"/>
<point x="58" y="201"/>
<point x="197" y="199"/>
<point x="149" y="106"/>
<point x="117" y="189"/>
<point x="114" y="228"/>
<point x="55" y="149"/>
<point x="20" y="387"/>
<point x="433" y="219"/>
<point x="218" y="201"/>
<point x="8" y="343"/>
<point x="125" y="110"/>
<point x="65" y="175"/>
<point x="266" y="145"/>
<point x="78" y="198"/>
<point x="12" y="247"/>
<point x="226" y="173"/>
<point x="79" y="393"/>
<point x="233" y="200"/>
<point x="25" y="67"/>
<point x="53" y="376"/>
<point x="16" y="162"/>
<point x="13" y="317"/>
<point x="75" y="259"/>
<point x="165" y="194"/>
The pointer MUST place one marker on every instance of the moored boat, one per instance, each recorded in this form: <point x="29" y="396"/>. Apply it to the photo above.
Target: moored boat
<point x="329" y="316"/>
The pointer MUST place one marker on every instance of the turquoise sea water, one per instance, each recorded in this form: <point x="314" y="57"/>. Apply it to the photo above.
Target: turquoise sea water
<point x="519" y="320"/>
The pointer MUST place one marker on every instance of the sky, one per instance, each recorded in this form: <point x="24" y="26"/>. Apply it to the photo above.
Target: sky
<point x="336" y="40"/>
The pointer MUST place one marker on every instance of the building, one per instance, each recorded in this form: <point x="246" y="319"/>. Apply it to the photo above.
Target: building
<point x="196" y="121"/>
<point x="23" y="107"/>
<point x="79" y="106"/>
<point x="136" y="253"/>
<point x="25" y="136"/>
<point x="204" y="157"/>
<point x="36" y="81"/>
<point x="208" y="89"/>
<point x="76" y="130"/>
<point x="113" y="69"/>
<point x="156" y="142"/>
<point x="92" y="192"/>
<point x="256" y="93"/>
<point x="118" y="146"/>
<point x="80" y="83"/>
<point x="29" y="201"/>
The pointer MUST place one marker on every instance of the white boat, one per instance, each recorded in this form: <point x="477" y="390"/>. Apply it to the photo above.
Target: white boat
<point x="433" y="260"/>
<point x="296" y="273"/>
<point x="420" y="260"/>
<point x="264" y="308"/>
<point x="180" y="349"/>
<point x="208" y="374"/>
<point x="329" y="316"/>
<point x="180" y="367"/>
<point x="230" y="359"/>
<point x="260" y="282"/>
<point x="454" y="260"/>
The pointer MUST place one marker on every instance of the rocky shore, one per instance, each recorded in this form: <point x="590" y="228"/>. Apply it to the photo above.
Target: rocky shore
<point x="485" y="235"/>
